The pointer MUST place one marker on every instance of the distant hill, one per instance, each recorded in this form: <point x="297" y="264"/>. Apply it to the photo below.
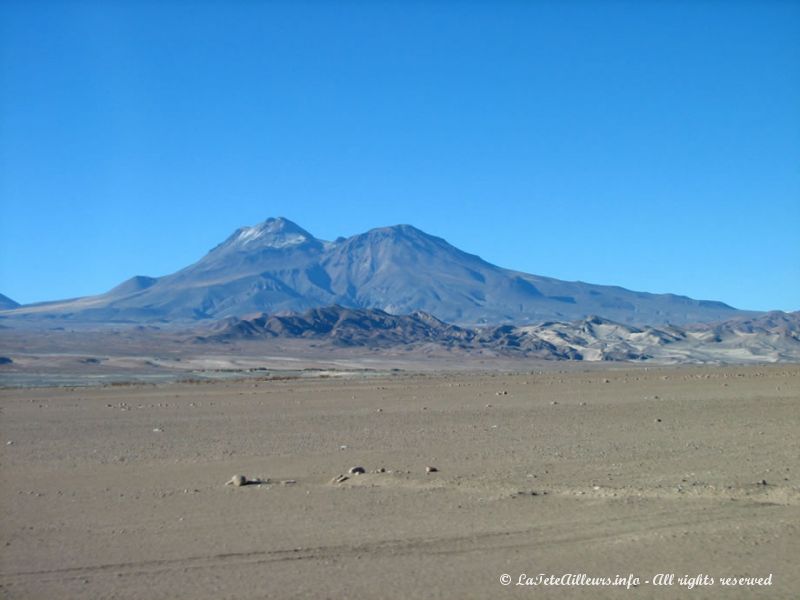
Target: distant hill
<point x="7" y="303"/>
<point x="772" y="337"/>
<point x="347" y="326"/>
<point x="278" y="266"/>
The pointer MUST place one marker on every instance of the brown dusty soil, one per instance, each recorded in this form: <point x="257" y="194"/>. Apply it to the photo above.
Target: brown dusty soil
<point x="119" y="491"/>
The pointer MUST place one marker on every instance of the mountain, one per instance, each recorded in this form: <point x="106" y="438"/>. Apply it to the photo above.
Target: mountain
<point x="278" y="266"/>
<point x="7" y="303"/>
<point x="772" y="337"/>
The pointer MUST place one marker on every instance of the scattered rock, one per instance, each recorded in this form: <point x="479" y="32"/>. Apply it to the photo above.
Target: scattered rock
<point x="339" y="479"/>
<point x="763" y="482"/>
<point x="657" y="420"/>
<point x="357" y="470"/>
<point x="380" y="470"/>
<point x="431" y="469"/>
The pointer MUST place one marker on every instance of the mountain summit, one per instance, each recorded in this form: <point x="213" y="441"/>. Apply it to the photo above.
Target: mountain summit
<point x="277" y="266"/>
<point x="273" y="233"/>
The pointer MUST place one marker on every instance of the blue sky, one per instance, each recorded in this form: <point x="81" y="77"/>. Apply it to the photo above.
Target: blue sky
<point x="653" y="145"/>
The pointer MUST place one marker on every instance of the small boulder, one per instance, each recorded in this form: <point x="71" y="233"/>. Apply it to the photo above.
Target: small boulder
<point x="237" y="481"/>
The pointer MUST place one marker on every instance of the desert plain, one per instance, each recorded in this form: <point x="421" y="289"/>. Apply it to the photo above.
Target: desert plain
<point x="119" y="491"/>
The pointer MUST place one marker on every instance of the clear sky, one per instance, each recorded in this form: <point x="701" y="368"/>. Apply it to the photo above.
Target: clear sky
<point x="653" y="145"/>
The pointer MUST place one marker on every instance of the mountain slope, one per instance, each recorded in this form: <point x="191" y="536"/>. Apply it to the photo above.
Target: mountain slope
<point x="7" y="303"/>
<point x="278" y="266"/>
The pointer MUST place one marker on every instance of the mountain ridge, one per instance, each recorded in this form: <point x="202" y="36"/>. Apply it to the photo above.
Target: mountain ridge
<point x="772" y="337"/>
<point x="7" y="303"/>
<point x="278" y="266"/>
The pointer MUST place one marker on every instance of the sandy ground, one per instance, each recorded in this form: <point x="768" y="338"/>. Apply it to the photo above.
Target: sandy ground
<point x="119" y="491"/>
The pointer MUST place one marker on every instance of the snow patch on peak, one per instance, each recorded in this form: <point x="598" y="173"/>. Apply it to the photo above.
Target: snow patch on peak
<point x="269" y="237"/>
<point x="275" y="233"/>
<point x="247" y="234"/>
